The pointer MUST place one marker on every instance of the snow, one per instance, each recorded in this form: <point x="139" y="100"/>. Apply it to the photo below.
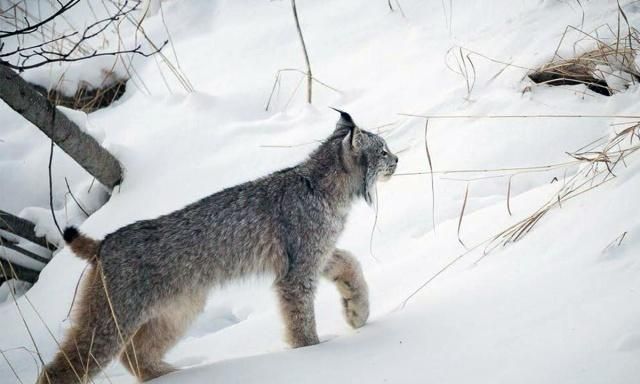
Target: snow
<point x="555" y="307"/>
<point x="13" y="287"/>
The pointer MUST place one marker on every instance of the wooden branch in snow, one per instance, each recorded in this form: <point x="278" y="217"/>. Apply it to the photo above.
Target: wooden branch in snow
<point x="10" y="271"/>
<point x="304" y="50"/>
<point x="36" y="108"/>
<point x="23" y="228"/>
<point x="4" y="242"/>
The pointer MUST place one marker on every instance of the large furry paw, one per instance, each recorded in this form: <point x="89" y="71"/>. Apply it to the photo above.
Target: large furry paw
<point x="356" y="310"/>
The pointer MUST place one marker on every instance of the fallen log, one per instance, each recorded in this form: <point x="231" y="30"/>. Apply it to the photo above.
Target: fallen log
<point x="35" y="107"/>
<point x="10" y="271"/>
<point x="23" y="228"/>
<point x="13" y="245"/>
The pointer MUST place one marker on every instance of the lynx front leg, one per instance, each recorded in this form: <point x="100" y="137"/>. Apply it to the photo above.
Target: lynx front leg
<point x="296" y="303"/>
<point x="344" y="270"/>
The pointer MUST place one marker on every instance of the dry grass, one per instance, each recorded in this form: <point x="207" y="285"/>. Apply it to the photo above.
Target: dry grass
<point x="275" y="89"/>
<point x="11" y="274"/>
<point x="458" y="60"/>
<point x="607" y="67"/>
<point x="433" y="185"/>
<point x="81" y="377"/>
<point x="598" y="164"/>
<point x="87" y="98"/>
<point x="464" y="205"/>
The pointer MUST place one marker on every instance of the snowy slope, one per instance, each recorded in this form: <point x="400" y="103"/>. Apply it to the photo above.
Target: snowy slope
<point x="558" y="306"/>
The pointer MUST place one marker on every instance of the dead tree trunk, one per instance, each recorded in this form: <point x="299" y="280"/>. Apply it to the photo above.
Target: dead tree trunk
<point x="83" y="148"/>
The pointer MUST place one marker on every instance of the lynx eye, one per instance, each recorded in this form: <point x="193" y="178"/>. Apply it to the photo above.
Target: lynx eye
<point x="384" y="153"/>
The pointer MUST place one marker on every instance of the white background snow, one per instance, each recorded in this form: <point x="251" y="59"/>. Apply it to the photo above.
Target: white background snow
<point x="559" y="306"/>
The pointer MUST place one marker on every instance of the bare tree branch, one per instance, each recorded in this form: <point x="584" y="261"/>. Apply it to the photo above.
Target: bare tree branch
<point x="32" y="28"/>
<point x="37" y="55"/>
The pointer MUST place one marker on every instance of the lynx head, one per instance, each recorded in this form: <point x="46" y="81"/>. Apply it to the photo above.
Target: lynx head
<point x="365" y="154"/>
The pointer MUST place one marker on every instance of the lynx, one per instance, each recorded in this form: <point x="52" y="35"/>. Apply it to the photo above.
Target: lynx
<point x="149" y="280"/>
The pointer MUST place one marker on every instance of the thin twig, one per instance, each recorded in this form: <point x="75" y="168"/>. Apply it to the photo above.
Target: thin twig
<point x="435" y="276"/>
<point x="433" y="188"/>
<point x="400" y="9"/>
<point x="74" y="198"/>
<point x="21" y="314"/>
<point x="53" y="214"/>
<point x="540" y="116"/>
<point x="464" y="205"/>
<point x="537" y="168"/>
<point x="509" y="196"/>
<point x="304" y="50"/>
<point x="75" y="291"/>
<point x="276" y="83"/>
<point x="11" y="366"/>
<point x="32" y="28"/>
<point x="373" y="228"/>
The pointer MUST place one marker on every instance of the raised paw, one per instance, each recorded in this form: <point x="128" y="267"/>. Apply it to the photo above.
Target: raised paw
<point x="356" y="310"/>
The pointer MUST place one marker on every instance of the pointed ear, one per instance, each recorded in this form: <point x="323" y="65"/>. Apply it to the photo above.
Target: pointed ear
<point x="345" y="119"/>
<point x="354" y="137"/>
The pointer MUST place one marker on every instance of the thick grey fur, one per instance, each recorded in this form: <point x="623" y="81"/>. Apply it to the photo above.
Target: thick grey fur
<point x="158" y="272"/>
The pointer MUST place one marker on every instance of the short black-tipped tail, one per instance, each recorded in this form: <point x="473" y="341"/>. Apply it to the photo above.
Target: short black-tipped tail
<point x="82" y="245"/>
<point x="70" y="234"/>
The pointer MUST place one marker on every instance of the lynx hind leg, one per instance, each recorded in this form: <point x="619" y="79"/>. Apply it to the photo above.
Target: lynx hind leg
<point x="344" y="270"/>
<point x="143" y="356"/>
<point x="93" y="340"/>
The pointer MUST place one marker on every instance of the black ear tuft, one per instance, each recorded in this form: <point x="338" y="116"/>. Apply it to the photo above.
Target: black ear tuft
<point x="70" y="234"/>
<point x="345" y="119"/>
